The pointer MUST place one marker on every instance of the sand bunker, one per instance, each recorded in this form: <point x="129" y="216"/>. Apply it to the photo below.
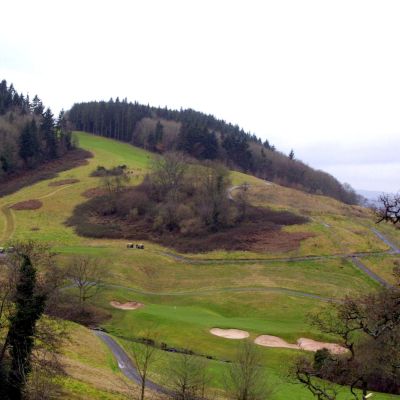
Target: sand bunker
<point x="230" y="333"/>
<point x="274" y="341"/>
<point x="130" y="305"/>
<point x="313" y="345"/>
<point x="302" y="344"/>
<point x="64" y="182"/>
<point x="27" y="205"/>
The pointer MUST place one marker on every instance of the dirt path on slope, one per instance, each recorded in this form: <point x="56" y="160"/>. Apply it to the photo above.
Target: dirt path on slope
<point x="54" y="192"/>
<point x="9" y="226"/>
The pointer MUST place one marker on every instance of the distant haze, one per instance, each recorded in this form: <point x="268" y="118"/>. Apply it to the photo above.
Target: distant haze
<point x="319" y="77"/>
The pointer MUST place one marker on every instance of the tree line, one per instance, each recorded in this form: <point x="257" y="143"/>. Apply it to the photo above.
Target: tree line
<point x="29" y="133"/>
<point x="206" y="138"/>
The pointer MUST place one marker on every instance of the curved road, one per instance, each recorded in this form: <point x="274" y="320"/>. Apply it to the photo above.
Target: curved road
<point x="125" y="363"/>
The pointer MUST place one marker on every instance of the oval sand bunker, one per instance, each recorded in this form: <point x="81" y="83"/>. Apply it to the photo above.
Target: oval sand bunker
<point x="313" y="345"/>
<point x="274" y="341"/>
<point x="230" y="333"/>
<point x="130" y="305"/>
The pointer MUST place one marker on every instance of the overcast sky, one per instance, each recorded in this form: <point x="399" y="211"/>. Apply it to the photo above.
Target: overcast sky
<point x="322" y="77"/>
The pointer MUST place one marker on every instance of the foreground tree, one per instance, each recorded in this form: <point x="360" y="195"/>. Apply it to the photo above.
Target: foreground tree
<point x="29" y="306"/>
<point x="144" y="355"/>
<point x="246" y="379"/>
<point x="31" y="340"/>
<point x="188" y="377"/>
<point x="369" y="328"/>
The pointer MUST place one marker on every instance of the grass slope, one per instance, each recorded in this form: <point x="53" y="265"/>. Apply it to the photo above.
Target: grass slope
<point x="91" y="371"/>
<point x="184" y="298"/>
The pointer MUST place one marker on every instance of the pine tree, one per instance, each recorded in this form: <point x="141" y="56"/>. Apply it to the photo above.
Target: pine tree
<point x="159" y="132"/>
<point x="48" y="134"/>
<point x="29" y="307"/>
<point x="37" y="106"/>
<point x="291" y="155"/>
<point x="28" y="143"/>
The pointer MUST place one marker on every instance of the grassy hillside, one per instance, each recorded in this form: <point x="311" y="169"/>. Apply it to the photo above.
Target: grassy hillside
<point x="186" y="295"/>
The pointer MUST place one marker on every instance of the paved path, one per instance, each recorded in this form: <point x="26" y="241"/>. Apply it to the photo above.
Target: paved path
<point x="384" y="239"/>
<point x="191" y="260"/>
<point x="125" y="364"/>
<point x="357" y="262"/>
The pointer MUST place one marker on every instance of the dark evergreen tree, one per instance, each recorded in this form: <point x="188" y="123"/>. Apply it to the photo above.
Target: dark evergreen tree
<point x="48" y="136"/>
<point x="29" y="144"/>
<point x="266" y="144"/>
<point x="291" y="155"/>
<point x="29" y="307"/>
<point x="237" y="149"/>
<point x="197" y="141"/>
<point x="159" y="132"/>
<point x="37" y="106"/>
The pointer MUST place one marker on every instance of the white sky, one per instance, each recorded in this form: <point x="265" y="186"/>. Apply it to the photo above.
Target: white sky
<point x="322" y="77"/>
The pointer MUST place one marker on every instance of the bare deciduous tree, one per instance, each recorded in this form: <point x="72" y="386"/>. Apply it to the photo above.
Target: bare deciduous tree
<point x="246" y="379"/>
<point x="305" y="374"/>
<point x="87" y="274"/>
<point x="144" y="355"/>
<point x="242" y="199"/>
<point x="390" y="209"/>
<point x="114" y="184"/>
<point x="168" y="174"/>
<point x="188" y="377"/>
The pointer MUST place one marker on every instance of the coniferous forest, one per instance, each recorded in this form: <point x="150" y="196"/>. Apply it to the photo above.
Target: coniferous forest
<point x="203" y="136"/>
<point x="29" y="133"/>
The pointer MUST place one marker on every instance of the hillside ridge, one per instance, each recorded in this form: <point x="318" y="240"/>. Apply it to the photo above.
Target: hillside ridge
<point x="203" y="137"/>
